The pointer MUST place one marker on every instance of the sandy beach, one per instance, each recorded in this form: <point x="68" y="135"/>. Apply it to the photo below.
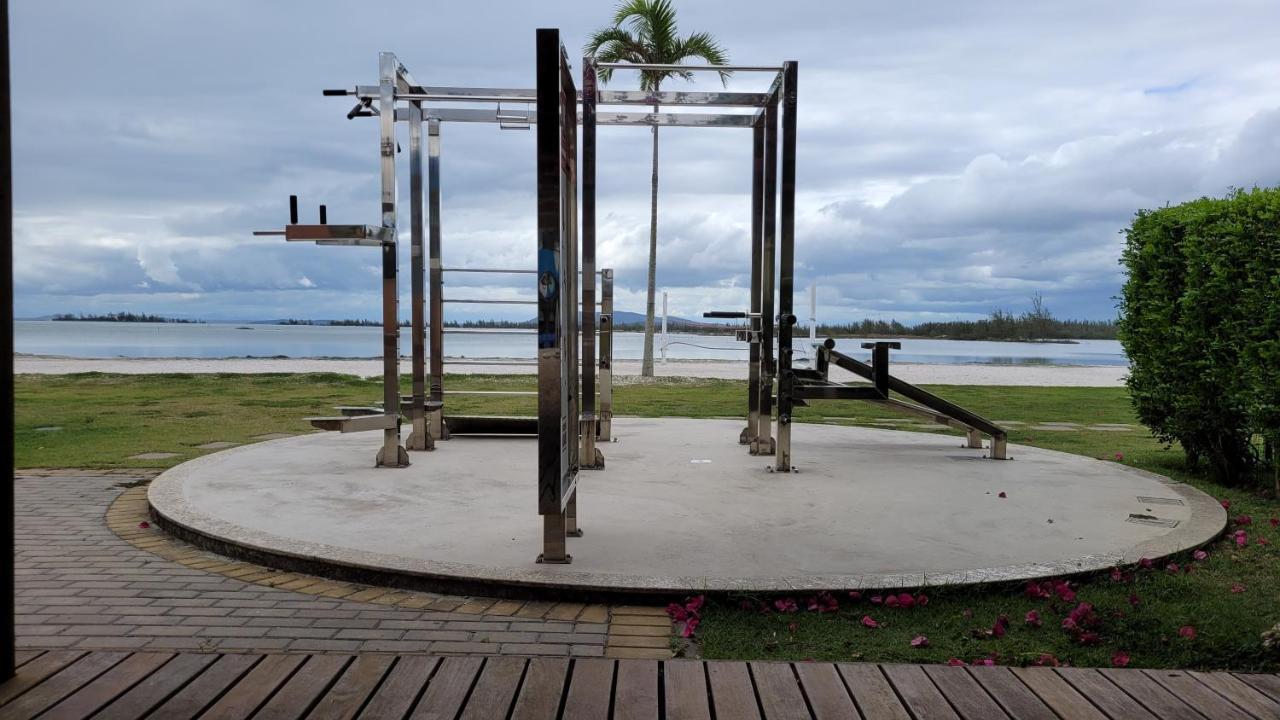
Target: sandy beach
<point x="624" y="370"/>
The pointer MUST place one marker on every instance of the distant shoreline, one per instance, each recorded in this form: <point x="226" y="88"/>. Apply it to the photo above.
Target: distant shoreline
<point x="625" y="371"/>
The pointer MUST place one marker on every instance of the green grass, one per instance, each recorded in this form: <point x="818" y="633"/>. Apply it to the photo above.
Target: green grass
<point x="104" y="419"/>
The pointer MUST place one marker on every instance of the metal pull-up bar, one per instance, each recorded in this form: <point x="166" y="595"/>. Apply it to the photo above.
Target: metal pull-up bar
<point x="691" y="68"/>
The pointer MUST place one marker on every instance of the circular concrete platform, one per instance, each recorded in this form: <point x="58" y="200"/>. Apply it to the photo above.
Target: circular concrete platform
<point x="681" y="507"/>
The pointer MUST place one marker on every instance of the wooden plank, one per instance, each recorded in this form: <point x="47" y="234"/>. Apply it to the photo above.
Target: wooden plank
<point x="828" y="697"/>
<point x="495" y="689"/>
<point x="872" y="692"/>
<point x="918" y="692"/>
<point x="1268" y="685"/>
<point x="686" y="690"/>
<point x="1016" y="699"/>
<point x="348" y="695"/>
<point x="254" y="688"/>
<point x="1057" y="694"/>
<point x="590" y="688"/>
<point x="778" y="691"/>
<point x="448" y="688"/>
<point x="22" y="657"/>
<point x="635" y="692"/>
<point x="541" y="690"/>
<point x="1155" y="698"/>
<point x="732" y="693"/>
<point x="304" y="689"/>
<point x="35" y="671"/>
<point x="401" y="689"/>
<point x="207" y="686"/>
<point x="107" y="686"/>
<point x="1110" y="699"/>
<point x="1195" y="694"/>
<point x="1240" y="693"/>
<point x="61" y="684"/>
<point x="152" y="691"/>
<point x="964" y="693"/>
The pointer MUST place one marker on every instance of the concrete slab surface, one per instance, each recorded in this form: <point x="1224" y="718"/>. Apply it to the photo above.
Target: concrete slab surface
<point x="682" y="507"/>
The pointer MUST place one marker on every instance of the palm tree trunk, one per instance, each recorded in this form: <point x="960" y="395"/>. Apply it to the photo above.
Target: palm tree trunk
<point x="646" y="367"/>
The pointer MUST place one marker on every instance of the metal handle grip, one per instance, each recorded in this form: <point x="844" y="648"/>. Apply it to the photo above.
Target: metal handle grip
<point x="724" y="314"/>
<point x="336" y="93"/>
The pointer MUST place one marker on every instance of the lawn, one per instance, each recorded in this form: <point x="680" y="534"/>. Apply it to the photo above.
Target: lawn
<point x="1226" y="600"/>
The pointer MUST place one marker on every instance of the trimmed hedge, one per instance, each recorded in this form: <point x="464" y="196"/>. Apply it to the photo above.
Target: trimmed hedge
<point x="1200" y="322"/>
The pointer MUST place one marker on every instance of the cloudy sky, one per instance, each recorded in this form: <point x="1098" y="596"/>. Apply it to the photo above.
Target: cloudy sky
<point x="953" y="157"/>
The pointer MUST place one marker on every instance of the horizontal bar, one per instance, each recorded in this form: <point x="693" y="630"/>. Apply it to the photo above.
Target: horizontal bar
<point x="501" y="270"/>
<point x="512" y="363"/>
<point x="676" y="119"/>
<point x="679" y="97"/>
<point x="490" y="392"/>
<point x="691" y="68"/>
<point x="471" y="301"/>
<point x="477" y="115"/>
<point x="490" y="425"/>
<point x="489" y="270"/>
<point x="339" y="234"/>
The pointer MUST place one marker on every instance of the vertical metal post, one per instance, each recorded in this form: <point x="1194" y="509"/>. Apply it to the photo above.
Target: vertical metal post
<point x="665" y="339"/>
<point x="391" y="454"/>
<point x="435" y="417"/>
<point x="786" y="269"/>
<point x="557" y="298"/>
<point x="764" y="444"/>
<point x="8" y="647"/>
<point x="748" y="435"/>
<point x="605" y="429"/>
<point x="590" y="456"/>
<point x="813" y="317"/>
<point x="419" y="437"/>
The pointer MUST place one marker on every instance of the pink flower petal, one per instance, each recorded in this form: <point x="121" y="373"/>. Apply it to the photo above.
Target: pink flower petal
<point x="1145" y="563"/>
<point x="955" y="662"/>
<point x="906" y="600"/>
<point x="1032" y="618"/>
<point x="1116" y="575"/>
<point x="891" y="601"/>
<point x="1237" y="588"/>
<point x="876" y="599"/>
<point x="1242" y="538"/>
<point x="1226" y="504"/>
<point x="868" y="622"/>
<point x="1188" y="632"/>
<point x="144" y="524"/>
<point x="922" y="599"/>
<point x="1171" y="567"/>
<point x="1119" y="457"/>
<point x="919" y="641"/>
<point x="1200" y="555"/>
<point x="1275" y="522"/>
<point x="986" y="662"/>
<point x="1120" y="658"/>
<point x="1002" y="494"/>
<point x="1244" y="520"/>
<point x="855" y="595"/>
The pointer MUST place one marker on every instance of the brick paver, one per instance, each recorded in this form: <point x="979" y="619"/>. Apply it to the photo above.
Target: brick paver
<point x="80" y="585"/>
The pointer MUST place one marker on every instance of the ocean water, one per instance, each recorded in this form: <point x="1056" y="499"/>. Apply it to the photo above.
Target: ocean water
<point x="216" y="340"/>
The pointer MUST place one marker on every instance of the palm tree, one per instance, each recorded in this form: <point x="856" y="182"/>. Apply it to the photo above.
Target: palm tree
<point x="644" y="31"/>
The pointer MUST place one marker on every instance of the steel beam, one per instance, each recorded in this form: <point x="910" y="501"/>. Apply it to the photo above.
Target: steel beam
<point x="435" y="422"/>
<point x="391" y="454"/>
<point x="786" y="267"/>
<point x="420" y="438"/>
<point x="748" y="435"/>
<point x="764" y="444"/>
<point x="589" y="456"/>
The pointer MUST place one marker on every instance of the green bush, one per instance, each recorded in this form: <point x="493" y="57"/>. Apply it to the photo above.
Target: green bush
<point x="1200" y="322"/>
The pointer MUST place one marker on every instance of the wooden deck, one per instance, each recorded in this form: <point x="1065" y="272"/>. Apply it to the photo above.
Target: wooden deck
<point x="107" y="685"/>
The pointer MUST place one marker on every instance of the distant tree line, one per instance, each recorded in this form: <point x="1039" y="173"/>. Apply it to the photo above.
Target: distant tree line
<point x="122" y="317"/>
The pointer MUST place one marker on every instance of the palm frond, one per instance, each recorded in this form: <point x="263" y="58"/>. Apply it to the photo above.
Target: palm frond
<point x="645" y="31"/>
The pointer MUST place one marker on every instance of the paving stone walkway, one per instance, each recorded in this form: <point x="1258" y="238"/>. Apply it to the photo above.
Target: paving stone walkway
<point x="81" y="585"/>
